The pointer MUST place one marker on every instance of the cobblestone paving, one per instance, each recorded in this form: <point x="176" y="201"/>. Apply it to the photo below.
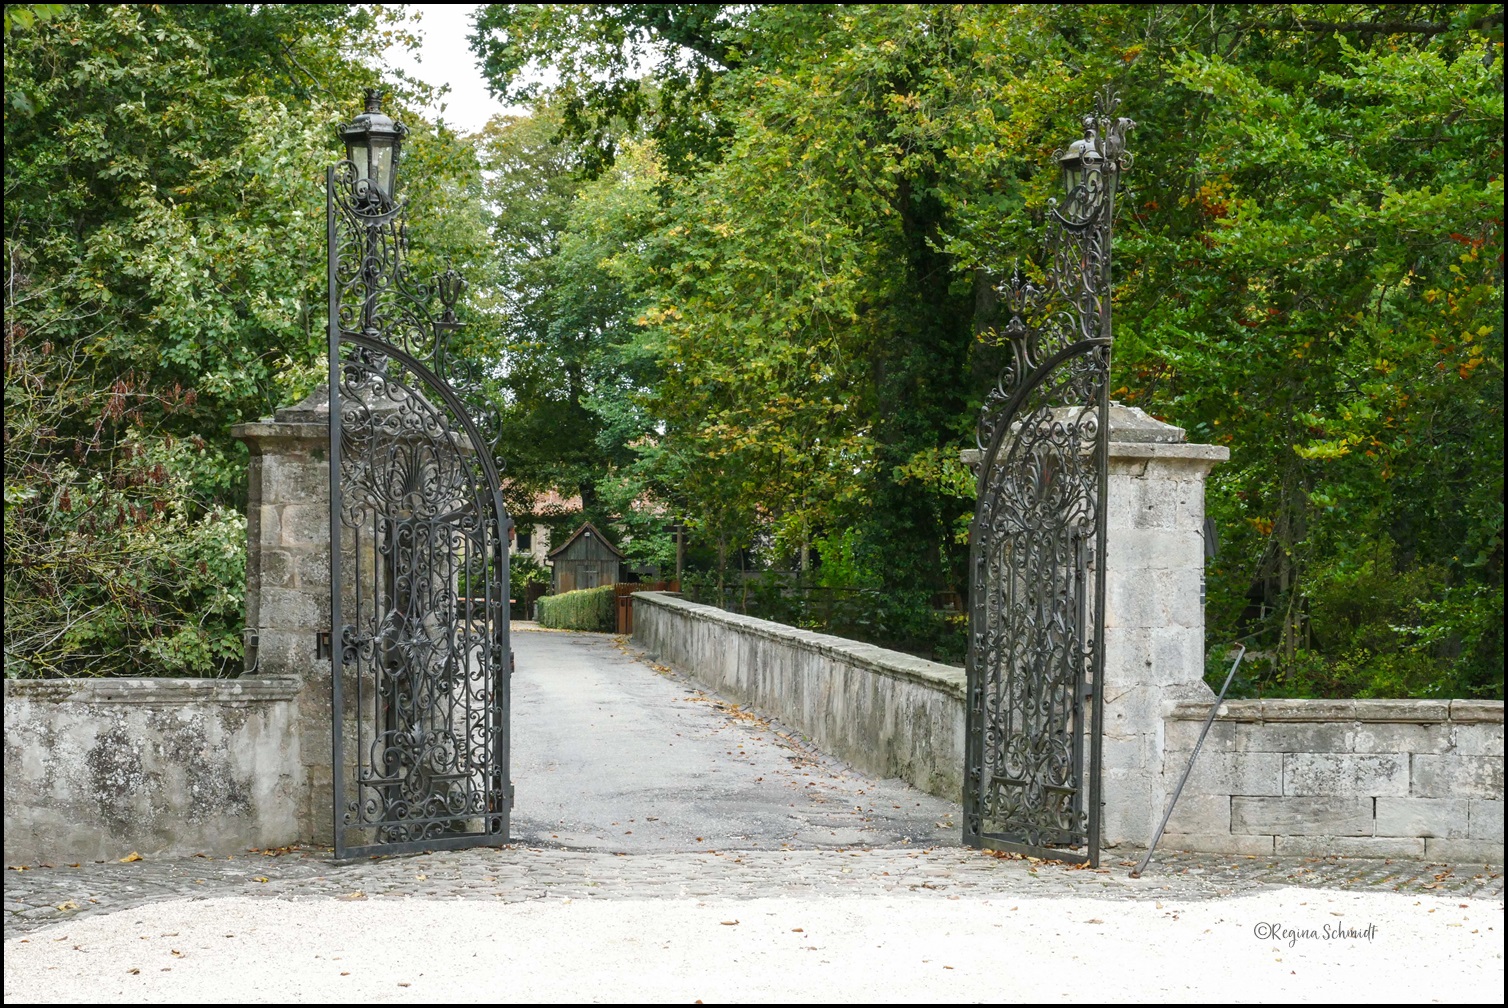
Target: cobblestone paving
<point x="39" y="896"/>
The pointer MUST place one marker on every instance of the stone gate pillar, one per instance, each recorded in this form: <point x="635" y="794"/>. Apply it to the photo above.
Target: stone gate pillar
<point x="288" y="582"/>
<point x="1154" y="611"/>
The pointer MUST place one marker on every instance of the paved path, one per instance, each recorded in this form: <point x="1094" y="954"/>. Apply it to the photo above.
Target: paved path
<point x="612" y="754"/>
<point x="650" y="813"/>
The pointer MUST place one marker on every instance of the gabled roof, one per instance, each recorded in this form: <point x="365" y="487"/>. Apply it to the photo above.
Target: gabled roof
<point x="587" y="528"/>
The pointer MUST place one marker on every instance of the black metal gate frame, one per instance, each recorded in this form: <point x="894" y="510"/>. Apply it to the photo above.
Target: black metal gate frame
<point x="1059" y="333"/>
<point x="365" y="347"/>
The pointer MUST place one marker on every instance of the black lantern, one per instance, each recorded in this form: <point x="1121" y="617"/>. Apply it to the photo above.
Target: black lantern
<point x="372" y="144"/>
<point x="1080" y="157"/>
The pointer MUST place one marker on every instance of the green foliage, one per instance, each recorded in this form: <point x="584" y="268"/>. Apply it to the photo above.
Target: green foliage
<point x="164" y="237"/>
<point x="587" y="609"/>
<point x="1309" y="269"/>
<point x="523" y="571"/>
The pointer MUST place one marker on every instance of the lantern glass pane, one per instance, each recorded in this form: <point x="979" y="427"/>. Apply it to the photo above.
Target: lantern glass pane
<point x="382" y="168"/>
<point x="356" y="150"/>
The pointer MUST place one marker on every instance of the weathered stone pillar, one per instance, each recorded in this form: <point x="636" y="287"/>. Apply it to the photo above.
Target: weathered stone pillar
<point x="288" y="582"/>
<point x="1154" y="611"/>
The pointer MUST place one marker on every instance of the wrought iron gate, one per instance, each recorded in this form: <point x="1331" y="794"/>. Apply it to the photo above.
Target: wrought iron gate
<point x="419" y="559"/>
<point x="1037" y="573"/>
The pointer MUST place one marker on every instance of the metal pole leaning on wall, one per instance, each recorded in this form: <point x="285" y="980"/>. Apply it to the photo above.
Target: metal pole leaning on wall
<point x="1136" y="873"/>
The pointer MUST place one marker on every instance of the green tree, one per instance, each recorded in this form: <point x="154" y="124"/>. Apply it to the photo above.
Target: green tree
<point x="164" y="240"/>
<point x="1309" y="268"/>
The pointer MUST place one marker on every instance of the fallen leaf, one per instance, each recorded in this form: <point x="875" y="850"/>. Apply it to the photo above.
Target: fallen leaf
<point x="358" y="895"/>
<point x="133" y="856"/>
<point x="797" y="930"/>
<point x="67" y="906"/>
<point x="260" y="878"/>
<point x="1094" y="920"/>
<point x="133" y="970"/>
<point x="730" y="922"/>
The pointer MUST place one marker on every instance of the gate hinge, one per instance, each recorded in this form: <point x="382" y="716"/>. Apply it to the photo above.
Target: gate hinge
<point x="322" y="644"/>
<point x="511" y="795"/>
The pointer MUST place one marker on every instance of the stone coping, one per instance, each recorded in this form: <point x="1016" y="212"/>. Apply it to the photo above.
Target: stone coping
<point x="972" y="457"/>
<point x="949" y="679"/>
<point x="166" y="692"/>
<point x="1399" y="711"/>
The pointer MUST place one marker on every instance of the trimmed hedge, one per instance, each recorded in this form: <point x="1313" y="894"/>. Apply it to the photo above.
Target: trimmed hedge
<point x="587" y="609"/>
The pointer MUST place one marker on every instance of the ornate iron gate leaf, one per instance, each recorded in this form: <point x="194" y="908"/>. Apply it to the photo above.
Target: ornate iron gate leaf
<point x="419" y="559"/>
<point x="1037" y="577"/>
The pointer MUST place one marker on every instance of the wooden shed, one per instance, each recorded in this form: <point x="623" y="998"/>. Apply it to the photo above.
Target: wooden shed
<point x="585" y="560"/>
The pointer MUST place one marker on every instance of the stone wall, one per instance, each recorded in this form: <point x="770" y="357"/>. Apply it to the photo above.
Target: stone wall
<point x="98" y="768"/>
<point x="886" y="713"/>
<point x="1369" y="778"/>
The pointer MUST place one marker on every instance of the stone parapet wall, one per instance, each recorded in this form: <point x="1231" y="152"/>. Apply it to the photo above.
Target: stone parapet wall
<point x="1368" y="778"/>
<point x="99" y="768"/>
<point x="886" y="713"/>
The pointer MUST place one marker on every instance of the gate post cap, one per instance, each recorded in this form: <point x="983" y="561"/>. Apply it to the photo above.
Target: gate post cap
<point x="1127" y="423"/>
<point x="315" y="408"/>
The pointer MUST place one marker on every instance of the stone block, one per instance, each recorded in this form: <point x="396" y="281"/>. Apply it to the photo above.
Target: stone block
<point x="312" y="568"/>
<point x="1304" y="710"/>
<point x="1131" y="807"/>
<point x="1349" y="846"/>
<point x="1378" y="737"/>
<point x="291" y="609"/>
<point x="1177" y="656"/>
<point x="1344" y="775"/>
<point x="1480" y="739"/>
<point x="1465" y="852"/>
<point x="1485" y="820"/>
<point x="1283" y="816"/>
<point x="1421" y="817"/>
<point x="1477" y="711"/>
<point x="275" y="569"/>
<point x="1292" y="738"/>
<point x="1130" y="601"/>
<point x="305" y="525"/>
<point x="1128" y="656"/>
<point x="1451" y="776"/>
<point x="1201" y="814"/>
<point x="1137" y="710"/>
<point x="269" y="526"/>
<point x="1176" y="592"/>
<point x="296" y="481"/>
<point x="1407" y="711"/>
<point x="1150" y="504"/>
<point x="1135" y="550"/>
<point x="1133" y="752"/>
<point x="1180" y="736"/>
<point x="1216" y="843"/>
<point x="285" y="652"/>
<point x="1227" y="773"/>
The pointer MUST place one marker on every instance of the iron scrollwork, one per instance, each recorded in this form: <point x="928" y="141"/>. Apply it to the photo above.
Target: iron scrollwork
<point x="419" y="559"/>
<point x="1036" y="644"/>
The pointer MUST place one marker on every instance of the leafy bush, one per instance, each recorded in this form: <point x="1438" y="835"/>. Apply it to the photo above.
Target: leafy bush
<point x="587" y="609"/>
<point x="523" y="571"/>
<point x="1379" y="628"/>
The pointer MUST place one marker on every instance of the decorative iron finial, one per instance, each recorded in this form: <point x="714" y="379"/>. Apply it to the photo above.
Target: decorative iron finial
<point x="374" y="99"/>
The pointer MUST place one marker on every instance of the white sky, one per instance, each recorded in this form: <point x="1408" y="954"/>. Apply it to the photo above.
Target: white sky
<point x="445" y="58"/>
